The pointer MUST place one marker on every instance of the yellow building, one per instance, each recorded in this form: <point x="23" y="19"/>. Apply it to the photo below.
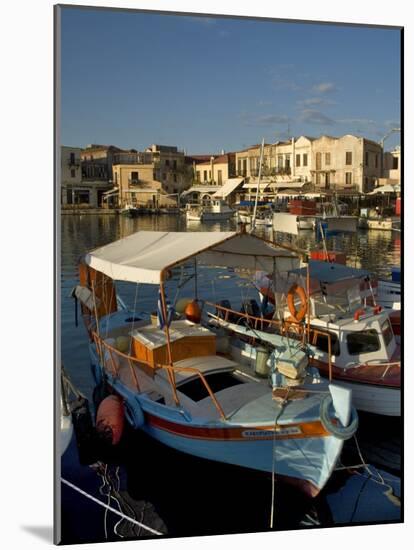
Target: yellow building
<point x="137" y="186"/>
<point x="217" y="170"/>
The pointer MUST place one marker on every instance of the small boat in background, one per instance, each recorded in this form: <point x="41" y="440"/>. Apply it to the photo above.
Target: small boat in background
<point x="130" y="211"/>
<point x="216" y="210"/>
<point x="353" y="340"/>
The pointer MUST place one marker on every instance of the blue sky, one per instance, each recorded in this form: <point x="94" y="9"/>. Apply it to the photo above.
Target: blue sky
<point x="206" y="84"/>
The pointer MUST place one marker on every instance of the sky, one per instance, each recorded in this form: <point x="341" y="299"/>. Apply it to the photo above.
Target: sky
<point x="211" y="84"/>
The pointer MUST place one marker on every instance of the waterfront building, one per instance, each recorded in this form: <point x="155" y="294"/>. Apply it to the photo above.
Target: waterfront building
<point x="170" y="168"/>
<point x="136" y="184"/>
<point x="75" y="188"/>
<point x="392" y="167"/>
<point x="96" y="164"/>
<point x="345" y="163"/>
<point x="216" y="170"/>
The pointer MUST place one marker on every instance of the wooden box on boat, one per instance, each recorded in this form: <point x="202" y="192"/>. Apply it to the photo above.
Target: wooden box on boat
<point x="149" y="344"/>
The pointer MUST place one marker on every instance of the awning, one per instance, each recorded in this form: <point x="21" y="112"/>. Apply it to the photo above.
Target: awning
<point x="263" y="185"/>
<point x="110" y="193"/>
<point x="329" y="273"/>
<point x="143" y="256"/>
<point x="201" y="189"/>
<point x="289" y="184"/>
<point x="229" y="186"/>
<point x="147" y="191"/>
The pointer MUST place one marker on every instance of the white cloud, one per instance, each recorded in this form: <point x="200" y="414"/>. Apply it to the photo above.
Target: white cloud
<point x="263" y="120"/>
<point x="324" y="87"/>
<point x="312" y="101"/>
<point x="312" y="116"/>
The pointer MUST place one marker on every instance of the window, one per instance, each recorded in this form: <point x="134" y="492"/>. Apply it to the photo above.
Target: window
<point x="205" y="175"/>
<point x="116" y="178"/>
<point x="239" y="167"/>
<point x="72" y="158"/>
<point x="376" y="160"/>
<point x="280" y="161"/>
<point x="327" y="159"/>
<point x="318" y="178"/>
<point x="322" y="343"/>
<point x="305" y="159"/>
<point x="348" y="157"/>
<point x="395" y="163"/>
<point x="348" y="178"/>
<point x="366" y="158"/>
<point x="73" y="173"/>
<point x="364" y="341"/>
<point x="209" y="175"/>
<point x="387" y="332"/>
<point x="287" y="161"/>
<point x="220" y="177"/>
<point x="175" y="164"/>
<point x="167" y="162"/>
<point x="297" y="160"/>
<point x="198" y="175"/>
<point x="175" y="177"/>
<point x="134" y="177"/>
<point x="318" y="161"/>
<point x="164" y="176"/>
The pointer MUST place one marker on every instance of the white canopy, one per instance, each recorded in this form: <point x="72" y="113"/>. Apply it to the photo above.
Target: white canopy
<point x="386" y="189"/>
<point x="142" y="256"/>
<point x="228" y="187"/>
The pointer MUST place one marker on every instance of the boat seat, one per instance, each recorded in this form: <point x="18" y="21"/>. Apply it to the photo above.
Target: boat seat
<point x="204" y="364"/>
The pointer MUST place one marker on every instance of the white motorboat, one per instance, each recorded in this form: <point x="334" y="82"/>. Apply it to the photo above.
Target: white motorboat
<point x="216" y="210"/>
<point x="364" y="354"/>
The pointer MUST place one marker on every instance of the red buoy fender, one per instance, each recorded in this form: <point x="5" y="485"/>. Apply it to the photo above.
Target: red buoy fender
<point x="193" y="312"/>
<point x="110" y="418"/>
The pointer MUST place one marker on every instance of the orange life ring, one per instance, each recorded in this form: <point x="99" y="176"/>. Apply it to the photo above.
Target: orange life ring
<point x="297" y="316"/>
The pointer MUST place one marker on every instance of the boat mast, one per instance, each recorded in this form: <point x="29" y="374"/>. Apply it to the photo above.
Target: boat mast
<point x="258" y="188"/>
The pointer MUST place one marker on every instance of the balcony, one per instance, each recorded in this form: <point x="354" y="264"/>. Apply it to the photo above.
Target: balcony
<point x="134" y="181"/>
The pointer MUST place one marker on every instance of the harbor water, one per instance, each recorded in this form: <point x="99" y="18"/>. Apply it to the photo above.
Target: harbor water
<point x="181" y="495"/>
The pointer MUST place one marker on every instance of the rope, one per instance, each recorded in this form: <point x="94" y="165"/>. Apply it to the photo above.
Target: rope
<point x="97" y="501"/>
<point x="278" y="414"/>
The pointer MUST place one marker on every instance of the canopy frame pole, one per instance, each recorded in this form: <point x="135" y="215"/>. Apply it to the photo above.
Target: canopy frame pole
<point x="171" y="375"/>
<point x="195" y="279"/>
<point x="308" y="299"/>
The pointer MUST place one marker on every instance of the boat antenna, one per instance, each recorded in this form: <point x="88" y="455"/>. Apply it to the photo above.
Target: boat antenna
<point x="258" y="187"/>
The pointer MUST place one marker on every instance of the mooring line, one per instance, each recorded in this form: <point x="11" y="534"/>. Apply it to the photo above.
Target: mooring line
<point x="117" y="512"/>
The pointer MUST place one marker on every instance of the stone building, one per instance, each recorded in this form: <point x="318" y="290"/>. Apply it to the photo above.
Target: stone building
<point x="170" y="168"/>
<point x="392" y="167"/>
<point x="348" y="162"/>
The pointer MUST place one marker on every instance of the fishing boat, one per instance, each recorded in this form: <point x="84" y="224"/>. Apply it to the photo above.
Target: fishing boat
<point x="264" y="216"/>
<point x="353" y="340"/>
<point x="215" y="210"/>
<point x="130" y="211"/>
<point x="192" y="388"/>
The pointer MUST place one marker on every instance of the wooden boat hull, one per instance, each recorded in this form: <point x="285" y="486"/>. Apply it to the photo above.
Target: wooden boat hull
<point x="305" y="453"/>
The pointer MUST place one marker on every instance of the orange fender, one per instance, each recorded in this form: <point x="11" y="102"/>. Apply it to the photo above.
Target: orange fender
<point x="110" y="418"/>
<point x="297" y="315"/>
<point x="193" y="312"/>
